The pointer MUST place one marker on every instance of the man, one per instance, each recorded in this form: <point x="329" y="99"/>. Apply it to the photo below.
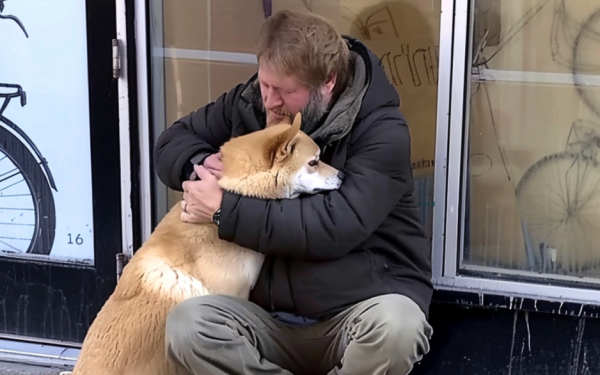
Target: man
<point x="345" y="287"/>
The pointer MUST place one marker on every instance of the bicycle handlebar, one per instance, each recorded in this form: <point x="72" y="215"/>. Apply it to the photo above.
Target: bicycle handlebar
<point x="19" y="93"/>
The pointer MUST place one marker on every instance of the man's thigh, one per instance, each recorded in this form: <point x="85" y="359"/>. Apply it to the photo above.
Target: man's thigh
<point x="371" y="332"/>
<point x="293" y="348"/>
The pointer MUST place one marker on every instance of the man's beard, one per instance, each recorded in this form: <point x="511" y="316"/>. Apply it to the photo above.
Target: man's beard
<point x="313" y="112"/>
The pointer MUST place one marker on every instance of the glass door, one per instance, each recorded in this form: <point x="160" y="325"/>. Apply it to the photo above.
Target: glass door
<point x="60" y="215"/>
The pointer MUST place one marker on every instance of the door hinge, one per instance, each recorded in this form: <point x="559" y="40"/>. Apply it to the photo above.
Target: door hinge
<point x="116" y="59"/>
<point x="122" y="261"/>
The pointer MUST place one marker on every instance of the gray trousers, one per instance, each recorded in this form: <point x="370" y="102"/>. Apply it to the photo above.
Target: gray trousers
<point x="225" y="335"/>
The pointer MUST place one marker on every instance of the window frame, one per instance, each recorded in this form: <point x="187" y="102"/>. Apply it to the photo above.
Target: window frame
<point x="449" y="178"/>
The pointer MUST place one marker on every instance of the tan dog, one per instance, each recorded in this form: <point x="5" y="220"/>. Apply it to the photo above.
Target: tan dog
<point x="182" y="260"/>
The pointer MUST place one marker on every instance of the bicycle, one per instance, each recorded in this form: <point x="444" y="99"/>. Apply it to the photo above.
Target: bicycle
<point x="12" y="18"/>
<point x="27" y="211"/>
<point x="559" y="206"/>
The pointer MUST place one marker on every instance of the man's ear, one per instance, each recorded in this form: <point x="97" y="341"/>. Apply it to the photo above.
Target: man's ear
<point x="283" y="143"/>
<point x="329" y="85"/>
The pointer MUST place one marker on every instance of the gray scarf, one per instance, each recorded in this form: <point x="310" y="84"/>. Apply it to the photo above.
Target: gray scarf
<point x="339" y="120"/>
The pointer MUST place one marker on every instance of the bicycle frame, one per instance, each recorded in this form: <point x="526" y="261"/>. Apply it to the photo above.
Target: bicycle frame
<point x="21" y="94"/>
<point x="12" y="18"/>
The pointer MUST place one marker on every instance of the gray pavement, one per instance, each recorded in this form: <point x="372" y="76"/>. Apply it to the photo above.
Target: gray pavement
<point x="9" y="368"/>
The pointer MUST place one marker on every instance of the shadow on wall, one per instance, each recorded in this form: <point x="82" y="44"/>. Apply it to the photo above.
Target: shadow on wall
<point x="405" y="37"/>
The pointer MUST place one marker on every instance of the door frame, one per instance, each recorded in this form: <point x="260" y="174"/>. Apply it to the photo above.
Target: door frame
<point x="135" y="167"/>
<point x="135" y="123"/>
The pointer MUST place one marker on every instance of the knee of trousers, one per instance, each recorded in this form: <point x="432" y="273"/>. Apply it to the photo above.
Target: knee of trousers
<point x="191" y="319"/>
<point x="398" y="324"/>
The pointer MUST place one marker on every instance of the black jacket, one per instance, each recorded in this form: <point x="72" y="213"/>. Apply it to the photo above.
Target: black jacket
<point x="328" y="251"/>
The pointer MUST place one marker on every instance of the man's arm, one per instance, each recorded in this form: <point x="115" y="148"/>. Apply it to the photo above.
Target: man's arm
<point x="328" y="226"/>
<point x="196" y="135"/>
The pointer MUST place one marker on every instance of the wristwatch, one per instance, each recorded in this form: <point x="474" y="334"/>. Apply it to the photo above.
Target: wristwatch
<point x="217" y="217"/>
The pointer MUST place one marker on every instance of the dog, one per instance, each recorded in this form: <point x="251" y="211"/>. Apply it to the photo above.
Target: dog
<point x="182" y="260"/>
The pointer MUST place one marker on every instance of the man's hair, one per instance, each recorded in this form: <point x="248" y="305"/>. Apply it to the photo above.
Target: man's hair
<point x="306" y="46"/>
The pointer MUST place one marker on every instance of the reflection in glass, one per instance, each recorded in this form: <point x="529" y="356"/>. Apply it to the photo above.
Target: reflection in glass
<point x="201" y="49"/>
<point x="533" y="183"/>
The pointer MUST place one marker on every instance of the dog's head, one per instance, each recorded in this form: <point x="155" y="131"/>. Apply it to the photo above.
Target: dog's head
<point x="277" y="162"/>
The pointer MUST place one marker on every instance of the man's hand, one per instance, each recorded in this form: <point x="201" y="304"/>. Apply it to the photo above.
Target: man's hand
<point x="201" y="199"/>
<point x="214" y="165"/>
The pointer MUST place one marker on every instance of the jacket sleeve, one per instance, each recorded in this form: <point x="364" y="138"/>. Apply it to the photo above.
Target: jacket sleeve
<point x="327" y="226"/>
<point x="200" y="133"/>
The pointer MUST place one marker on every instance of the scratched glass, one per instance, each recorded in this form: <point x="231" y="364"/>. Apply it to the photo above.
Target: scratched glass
<point x="404" y="35"/>
<point x="533" y="178"/>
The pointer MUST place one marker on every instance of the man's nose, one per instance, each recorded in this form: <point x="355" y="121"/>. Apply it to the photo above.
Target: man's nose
<point x="272" y="99"/>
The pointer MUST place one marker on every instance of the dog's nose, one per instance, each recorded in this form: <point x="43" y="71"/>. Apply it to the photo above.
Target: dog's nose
<point x="341" y="175"/>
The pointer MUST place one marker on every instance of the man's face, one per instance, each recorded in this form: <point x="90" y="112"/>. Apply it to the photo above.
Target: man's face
<point x="284" y="96"/>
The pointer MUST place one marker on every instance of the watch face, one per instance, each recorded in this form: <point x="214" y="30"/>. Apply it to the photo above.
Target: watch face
<point x="217" y="217"/>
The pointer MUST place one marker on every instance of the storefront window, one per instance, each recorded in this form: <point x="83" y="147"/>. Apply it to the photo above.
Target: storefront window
<point x="532" y="192"/>
<point x="201" y="49"/>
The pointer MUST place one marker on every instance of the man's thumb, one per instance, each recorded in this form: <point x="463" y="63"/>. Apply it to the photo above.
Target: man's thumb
<point x="203" y="173"/>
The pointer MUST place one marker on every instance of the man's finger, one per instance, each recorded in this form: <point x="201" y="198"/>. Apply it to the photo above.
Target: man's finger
<point x="213" y="162"/>
<point x="215" y="172"/>
<point x="187" y="217"/>
<point x="203" y="173"/>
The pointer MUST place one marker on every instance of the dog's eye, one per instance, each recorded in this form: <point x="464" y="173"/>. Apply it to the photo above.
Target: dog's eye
<point x="313" y="163"/>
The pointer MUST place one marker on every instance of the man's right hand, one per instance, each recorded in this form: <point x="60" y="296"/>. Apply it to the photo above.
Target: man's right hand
<point x="214" y="165"/>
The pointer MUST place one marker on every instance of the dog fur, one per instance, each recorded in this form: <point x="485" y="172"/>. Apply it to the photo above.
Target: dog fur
<point x="182" y="260"/>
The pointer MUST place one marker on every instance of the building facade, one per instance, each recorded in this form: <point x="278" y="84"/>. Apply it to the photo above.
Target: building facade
<point x="502" y="99"/>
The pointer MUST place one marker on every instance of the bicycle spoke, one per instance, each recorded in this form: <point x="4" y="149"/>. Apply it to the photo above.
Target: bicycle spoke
<point x="16" y="238"/>
<point x="18" y="224"/>
<point x="11" y="185"/>
<point x="10" y="171"/>
<point x="7" y="244"/>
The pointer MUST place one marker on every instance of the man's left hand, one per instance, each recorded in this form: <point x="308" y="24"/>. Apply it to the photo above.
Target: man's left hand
<point x="201" y="199"/>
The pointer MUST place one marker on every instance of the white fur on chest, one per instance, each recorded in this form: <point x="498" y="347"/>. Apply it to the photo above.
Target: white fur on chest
<point x="251" y="264"/>
<point x="171" y="282"/>
<point x="235" y="274"/>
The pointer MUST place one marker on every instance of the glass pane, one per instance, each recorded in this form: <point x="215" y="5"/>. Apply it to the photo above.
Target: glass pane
<point x="45" y="101"/>
<point x="533" y="178"/>
<point x="405" y="35"/>
<point x="185" y="76"/>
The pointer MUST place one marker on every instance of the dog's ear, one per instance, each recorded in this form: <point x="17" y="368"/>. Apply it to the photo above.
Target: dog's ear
<point x="297" y="122"/>
<point x="283" y="143"/>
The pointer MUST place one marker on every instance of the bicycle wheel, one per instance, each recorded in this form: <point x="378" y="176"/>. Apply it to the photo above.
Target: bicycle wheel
<point x="585" y="62"/>
<point x="559" y="202"/>
<point x="27" y="213"/>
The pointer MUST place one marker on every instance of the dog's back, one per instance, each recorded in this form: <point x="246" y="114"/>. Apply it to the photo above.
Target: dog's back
<point x="127" y="336"/>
